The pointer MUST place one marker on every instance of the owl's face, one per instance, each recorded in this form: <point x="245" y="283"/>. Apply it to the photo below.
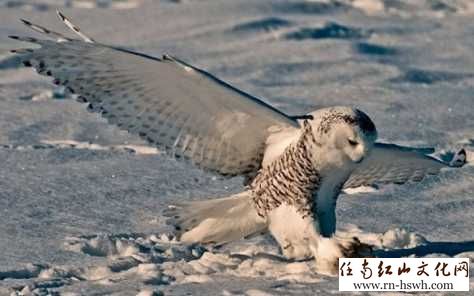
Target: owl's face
<point x="347" y="134"/>
<point x="352" y="141"/>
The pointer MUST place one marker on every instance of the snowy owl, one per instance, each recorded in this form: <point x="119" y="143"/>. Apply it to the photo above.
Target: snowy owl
<point x="294" y="166"/>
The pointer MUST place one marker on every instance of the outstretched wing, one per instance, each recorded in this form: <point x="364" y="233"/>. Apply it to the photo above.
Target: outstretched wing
<point x="389" y="163"/>
<point x="180" y="109"/>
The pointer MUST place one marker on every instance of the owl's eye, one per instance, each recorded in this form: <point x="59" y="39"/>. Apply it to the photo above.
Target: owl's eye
<point x="352" y="142"/>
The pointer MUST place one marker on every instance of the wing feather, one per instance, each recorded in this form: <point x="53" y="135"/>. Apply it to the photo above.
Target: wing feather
<point x="389" y="163"/>
<point x="179" y="108"/>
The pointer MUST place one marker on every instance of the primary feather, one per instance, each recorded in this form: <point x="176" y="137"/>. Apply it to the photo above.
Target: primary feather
<point x="389" y="163"/>
<point x="183" y="110"/>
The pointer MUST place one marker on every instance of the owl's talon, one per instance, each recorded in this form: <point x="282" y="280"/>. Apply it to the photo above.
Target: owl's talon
<point x="354" y="248"/>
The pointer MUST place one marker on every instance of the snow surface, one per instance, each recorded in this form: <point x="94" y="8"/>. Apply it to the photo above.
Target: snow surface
<point x="80" y="201"/>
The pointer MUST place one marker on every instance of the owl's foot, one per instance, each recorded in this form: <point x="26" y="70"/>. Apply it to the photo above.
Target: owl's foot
<point x="297" y="251"/>
<point x="354" y="248"/>
<point x="331" y="249"/>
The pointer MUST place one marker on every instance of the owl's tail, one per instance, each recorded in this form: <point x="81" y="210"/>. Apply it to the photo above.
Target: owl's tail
<point x="216" y="221"/>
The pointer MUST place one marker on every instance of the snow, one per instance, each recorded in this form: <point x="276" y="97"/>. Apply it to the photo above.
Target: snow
<point x="80" y="201"/>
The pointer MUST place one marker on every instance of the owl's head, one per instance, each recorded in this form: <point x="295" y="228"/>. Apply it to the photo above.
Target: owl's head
<point x="347" y="131"/>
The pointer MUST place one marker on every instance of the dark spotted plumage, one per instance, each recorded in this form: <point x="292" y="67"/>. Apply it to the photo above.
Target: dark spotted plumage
<point x="291" y="179"/>
<point x="358" y="119"/>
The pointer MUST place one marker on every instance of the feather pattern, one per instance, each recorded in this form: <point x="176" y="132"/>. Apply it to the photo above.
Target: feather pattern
<point x="182" y="110"/>
<point x="291" y="179"/>
<point x="389" y="163"/>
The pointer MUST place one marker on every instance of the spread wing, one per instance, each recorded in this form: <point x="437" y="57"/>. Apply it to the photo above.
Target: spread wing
<point x="389" y="163"/>
<point x="182" y="110"/>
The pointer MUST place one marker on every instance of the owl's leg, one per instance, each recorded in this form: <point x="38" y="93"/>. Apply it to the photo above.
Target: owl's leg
<point x="332" y="247"/>
<point x="297" y="235"/>
<point x="300" y="238"/>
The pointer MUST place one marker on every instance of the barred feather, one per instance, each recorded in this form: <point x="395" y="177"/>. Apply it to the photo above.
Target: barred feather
<point x="389" y="163"/>
<point x="182" y="110"/>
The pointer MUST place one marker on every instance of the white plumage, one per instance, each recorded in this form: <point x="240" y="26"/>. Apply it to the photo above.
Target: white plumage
<point x="295" y="167"/>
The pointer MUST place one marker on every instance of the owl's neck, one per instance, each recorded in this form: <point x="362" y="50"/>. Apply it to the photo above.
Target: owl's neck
<point x="290" y="179"/>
